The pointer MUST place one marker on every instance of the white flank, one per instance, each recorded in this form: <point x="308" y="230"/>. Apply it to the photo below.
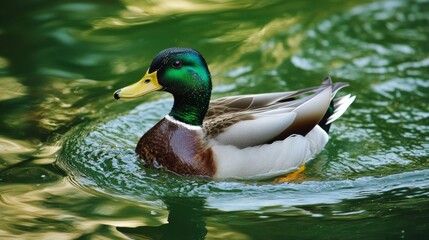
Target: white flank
<point x="269" y="160"/>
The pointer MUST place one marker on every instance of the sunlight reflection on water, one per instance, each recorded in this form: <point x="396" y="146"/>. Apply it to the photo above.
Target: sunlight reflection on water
<point x="57" y="80"/>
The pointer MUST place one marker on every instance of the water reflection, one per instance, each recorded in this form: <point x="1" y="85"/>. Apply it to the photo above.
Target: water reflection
<point x="13" y="151"/>
<point x="189" y="218"/>
<point x="186" y="220"/>
<point x="11" y="88"/>
<point x="58" y="73"/>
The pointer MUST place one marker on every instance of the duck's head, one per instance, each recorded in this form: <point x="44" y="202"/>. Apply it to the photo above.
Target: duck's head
<point x="182" y="72"/>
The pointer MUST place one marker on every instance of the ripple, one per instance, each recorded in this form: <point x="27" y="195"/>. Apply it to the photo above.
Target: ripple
<point x="367" y="40"/>
<point x="98" y="156"/>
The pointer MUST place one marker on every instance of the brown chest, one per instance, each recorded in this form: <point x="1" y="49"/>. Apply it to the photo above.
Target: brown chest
<point x="176" y="148"/>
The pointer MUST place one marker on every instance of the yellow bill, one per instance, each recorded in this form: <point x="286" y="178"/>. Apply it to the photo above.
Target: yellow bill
<point x="149" y="83"/>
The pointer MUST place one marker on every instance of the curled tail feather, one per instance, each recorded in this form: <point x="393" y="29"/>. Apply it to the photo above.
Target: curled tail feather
<point x="336" y="108"/>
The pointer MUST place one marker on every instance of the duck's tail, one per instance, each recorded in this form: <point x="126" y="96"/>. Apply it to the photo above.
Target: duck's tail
<point x="337" y="106"/>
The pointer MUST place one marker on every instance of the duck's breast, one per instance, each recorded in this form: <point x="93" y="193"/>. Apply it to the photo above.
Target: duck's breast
<point x="176" y="148"/>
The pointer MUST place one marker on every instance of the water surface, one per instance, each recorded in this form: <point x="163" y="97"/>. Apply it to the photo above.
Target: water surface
<point x="67" y="166"/>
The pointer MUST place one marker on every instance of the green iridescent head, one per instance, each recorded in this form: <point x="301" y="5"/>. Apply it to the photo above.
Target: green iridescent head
<point x="182" y="72"/>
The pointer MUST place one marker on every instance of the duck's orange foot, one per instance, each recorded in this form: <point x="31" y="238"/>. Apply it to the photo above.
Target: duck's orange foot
<point x="292" y="177"/>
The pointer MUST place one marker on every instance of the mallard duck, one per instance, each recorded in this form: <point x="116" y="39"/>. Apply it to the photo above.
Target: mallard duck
<point x="241" y="137"/>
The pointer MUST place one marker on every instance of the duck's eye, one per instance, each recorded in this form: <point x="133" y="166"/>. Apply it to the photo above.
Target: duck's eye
<point x="177" y="64"/>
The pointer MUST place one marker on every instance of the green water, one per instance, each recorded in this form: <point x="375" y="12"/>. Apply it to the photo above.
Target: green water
<point x="67" y="167"/>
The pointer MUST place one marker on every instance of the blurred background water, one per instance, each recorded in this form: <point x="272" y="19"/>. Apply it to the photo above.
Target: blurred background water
<point x="67" y="167"/>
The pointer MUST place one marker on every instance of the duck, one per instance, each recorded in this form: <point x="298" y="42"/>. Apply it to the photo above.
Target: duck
<point x="251" y="136"/>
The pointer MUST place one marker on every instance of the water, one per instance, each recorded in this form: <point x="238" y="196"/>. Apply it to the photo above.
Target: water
<point x="67" y="167"/>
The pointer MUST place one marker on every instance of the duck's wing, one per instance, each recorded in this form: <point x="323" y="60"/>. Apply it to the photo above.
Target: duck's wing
<point x="251" y="120"/>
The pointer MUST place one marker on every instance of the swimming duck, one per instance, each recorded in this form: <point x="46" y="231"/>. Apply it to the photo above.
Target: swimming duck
<point x="247" y="136"/>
